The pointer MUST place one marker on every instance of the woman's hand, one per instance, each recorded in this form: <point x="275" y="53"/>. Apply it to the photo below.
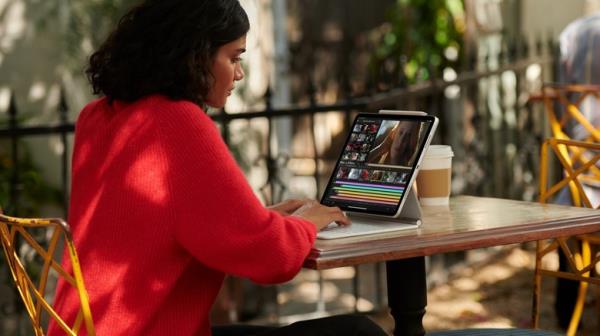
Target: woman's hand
<point x="321" y="215"/>
<point x="288" y="207"/>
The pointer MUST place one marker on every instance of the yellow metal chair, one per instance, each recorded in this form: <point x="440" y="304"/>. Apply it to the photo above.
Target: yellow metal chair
<point x="32" y="287"/>
<point x="563" y="105"/>
<point x="579" y="160"/>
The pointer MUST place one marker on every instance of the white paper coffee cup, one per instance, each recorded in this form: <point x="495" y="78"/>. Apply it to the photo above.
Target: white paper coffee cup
<point x="433" y="180"/>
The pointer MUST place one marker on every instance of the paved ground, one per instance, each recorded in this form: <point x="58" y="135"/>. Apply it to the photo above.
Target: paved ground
<point x="493" y="289"/>
<point x="496" y="291"/>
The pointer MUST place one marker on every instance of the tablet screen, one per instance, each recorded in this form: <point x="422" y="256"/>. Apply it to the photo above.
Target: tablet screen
<point x="377" y="163"/>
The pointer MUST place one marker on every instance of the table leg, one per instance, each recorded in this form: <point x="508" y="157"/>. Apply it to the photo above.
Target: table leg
<point x="407" y="295"/>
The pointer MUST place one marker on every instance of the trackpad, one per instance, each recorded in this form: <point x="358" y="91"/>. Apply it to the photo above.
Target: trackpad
<point x="364" y="226"/>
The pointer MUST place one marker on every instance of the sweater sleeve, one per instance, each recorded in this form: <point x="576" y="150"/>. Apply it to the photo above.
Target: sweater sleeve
<point x="219" y="219"/>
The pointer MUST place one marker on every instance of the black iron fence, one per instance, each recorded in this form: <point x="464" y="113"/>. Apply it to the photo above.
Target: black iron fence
<point x="484" y="114"/>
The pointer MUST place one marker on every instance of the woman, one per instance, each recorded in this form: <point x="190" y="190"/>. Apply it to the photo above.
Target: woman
<point x="159" y="210"/>
<point x="404" y="145"/>
<point x="397" y="145"/>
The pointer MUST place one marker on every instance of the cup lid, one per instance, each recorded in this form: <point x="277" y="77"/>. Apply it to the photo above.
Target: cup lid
<point x="439" y="151"/>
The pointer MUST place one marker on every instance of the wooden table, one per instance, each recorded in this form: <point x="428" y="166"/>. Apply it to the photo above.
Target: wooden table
<point x="468" y="223"/>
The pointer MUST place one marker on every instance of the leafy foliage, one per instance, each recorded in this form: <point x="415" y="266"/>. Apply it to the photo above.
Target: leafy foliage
<point x="32" y="190"/>
<point x="421" y="37"/>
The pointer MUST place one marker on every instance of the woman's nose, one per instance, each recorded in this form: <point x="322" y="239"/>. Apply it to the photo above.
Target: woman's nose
<point x="239" y="72"/>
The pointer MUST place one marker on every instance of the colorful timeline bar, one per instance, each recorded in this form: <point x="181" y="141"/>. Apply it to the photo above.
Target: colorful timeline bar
<point x="366" y="192"/>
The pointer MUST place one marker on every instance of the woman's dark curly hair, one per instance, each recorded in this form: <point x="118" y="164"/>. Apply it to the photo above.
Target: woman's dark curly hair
<point x="165" y="47"/>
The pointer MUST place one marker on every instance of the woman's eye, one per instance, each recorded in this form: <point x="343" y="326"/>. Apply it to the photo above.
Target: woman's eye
<point x="236" y="60"/>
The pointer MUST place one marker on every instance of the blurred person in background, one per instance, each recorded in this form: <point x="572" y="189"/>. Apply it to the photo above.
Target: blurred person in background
<point x="579" y="64"/>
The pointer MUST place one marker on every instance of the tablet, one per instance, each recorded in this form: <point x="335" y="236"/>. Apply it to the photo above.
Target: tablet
<point x="379" y="162"/>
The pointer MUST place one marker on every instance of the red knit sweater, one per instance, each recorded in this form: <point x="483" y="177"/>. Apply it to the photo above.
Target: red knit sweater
<point x="160" y="213"/>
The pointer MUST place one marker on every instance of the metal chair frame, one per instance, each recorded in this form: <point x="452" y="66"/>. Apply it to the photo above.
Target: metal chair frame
<point x="553" y="93"/>
<point x="559" y="93"/>
<point x="579" y="259"/>
<point x="31" y="289"/>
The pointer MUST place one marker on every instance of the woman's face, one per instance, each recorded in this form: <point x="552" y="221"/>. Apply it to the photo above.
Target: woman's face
<point x="226" y="70"/>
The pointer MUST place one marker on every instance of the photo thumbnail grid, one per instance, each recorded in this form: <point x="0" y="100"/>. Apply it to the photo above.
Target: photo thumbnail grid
<point x="359" y="145"/>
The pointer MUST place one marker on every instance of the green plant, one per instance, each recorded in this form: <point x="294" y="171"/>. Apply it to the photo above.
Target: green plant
<point x="32" y="190"/>
<point x="420" y="37"/>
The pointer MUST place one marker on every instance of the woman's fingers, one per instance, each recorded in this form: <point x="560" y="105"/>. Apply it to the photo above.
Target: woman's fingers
<point x="321" y="215"/>
<point x="339" y="216"/>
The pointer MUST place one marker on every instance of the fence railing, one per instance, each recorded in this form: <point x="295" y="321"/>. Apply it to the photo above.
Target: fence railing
<point x="483" y="114"/>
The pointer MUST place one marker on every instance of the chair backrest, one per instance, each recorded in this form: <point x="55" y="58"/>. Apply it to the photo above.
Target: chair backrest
<point x="32" y="283"/>
<point x="563" y="105"/>
<point x="579" y="161"/>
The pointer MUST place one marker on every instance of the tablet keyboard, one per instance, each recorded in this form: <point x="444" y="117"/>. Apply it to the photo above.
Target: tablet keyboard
<point x="363" y="226"/>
